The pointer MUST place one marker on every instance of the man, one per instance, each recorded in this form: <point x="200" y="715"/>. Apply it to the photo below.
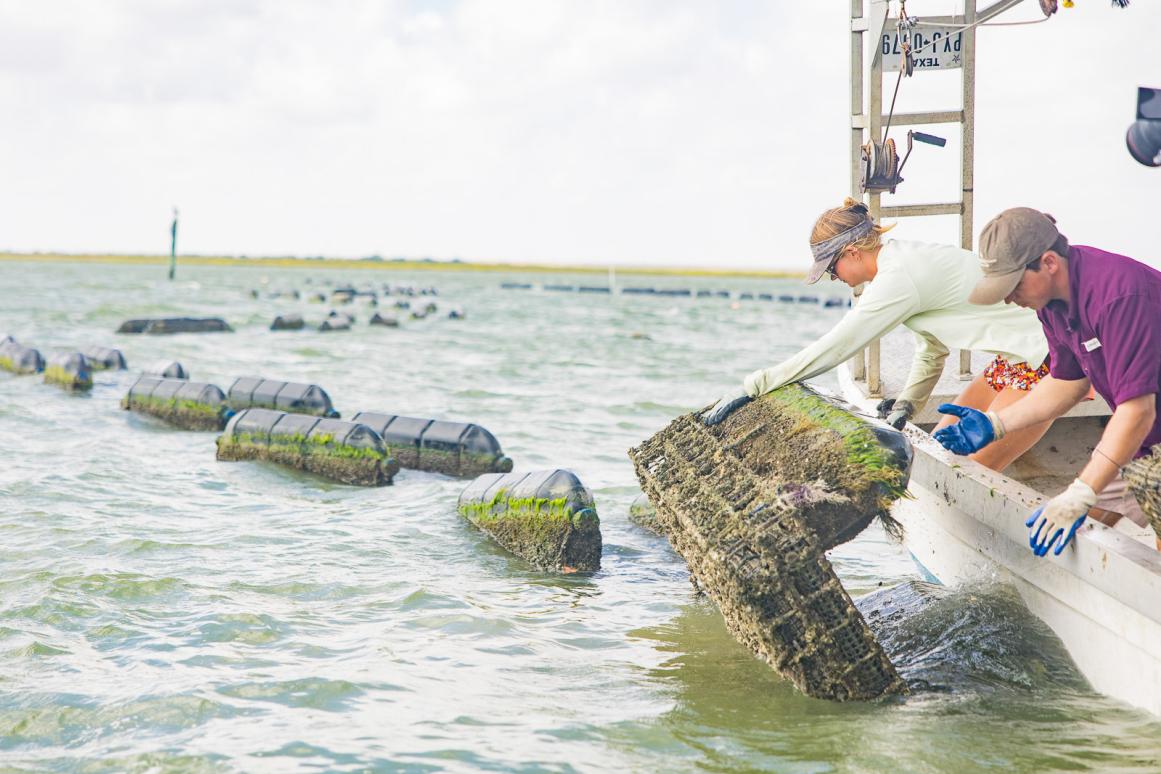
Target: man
<point x="1101" y="313"/>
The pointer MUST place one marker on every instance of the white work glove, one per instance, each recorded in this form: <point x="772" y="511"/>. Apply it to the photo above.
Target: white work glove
<point x="1057" y="520"/>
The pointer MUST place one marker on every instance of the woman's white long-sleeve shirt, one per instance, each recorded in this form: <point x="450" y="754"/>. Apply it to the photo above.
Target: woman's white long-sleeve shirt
<point x="924" y="287"/>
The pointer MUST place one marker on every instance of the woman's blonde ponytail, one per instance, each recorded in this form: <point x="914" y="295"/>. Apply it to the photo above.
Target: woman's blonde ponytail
<point x="835" y="221"/>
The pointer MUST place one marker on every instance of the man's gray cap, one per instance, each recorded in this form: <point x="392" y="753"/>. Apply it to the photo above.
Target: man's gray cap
<point x="1011" y="240"/>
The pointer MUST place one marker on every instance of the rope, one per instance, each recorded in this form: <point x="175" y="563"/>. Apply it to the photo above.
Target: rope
<point x="905" y="22"/>
<point x="957" y="30"/>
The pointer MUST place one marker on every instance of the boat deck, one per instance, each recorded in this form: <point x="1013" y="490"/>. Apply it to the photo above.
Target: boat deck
<point x="1050" y="465"/>
<point x="896" y="352"/>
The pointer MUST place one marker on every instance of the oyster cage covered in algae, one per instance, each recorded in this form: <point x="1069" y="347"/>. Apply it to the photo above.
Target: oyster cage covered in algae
<point x="1143" y="475"/>
<point x="753" y="503"/>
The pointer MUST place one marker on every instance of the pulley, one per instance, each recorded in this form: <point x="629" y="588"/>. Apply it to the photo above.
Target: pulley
<point x="880" y="169"/>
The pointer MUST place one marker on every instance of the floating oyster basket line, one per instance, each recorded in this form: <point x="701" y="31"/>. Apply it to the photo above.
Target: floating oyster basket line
<point x="69" y="370"/>
<point x="1143" y="475"/>
<point x="167" y="325"/>
<point x="19" y="359"/>
<point x="348" y="452"/>
<point x="291" y="397"/>
<point x="546" y="517"/>
<point x="752" y="504"/>
<point x="452" y="448"/>
<point x="180" y="402"/>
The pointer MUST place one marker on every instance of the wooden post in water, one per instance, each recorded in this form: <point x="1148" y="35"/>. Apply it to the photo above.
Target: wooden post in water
<point x="173" y="246"/>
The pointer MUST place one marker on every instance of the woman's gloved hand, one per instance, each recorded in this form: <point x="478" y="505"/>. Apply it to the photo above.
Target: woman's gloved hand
<point x="974" y="430"/>
<point x="1059" y="518"/>
<point x="729" y="403"/>
<point x="895" y="412"/>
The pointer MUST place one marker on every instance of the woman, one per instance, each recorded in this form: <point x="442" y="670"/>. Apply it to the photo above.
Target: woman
<point x="924" y="287"/>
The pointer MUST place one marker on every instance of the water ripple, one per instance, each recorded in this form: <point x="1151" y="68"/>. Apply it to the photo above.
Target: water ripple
<point x="162" y="611"/>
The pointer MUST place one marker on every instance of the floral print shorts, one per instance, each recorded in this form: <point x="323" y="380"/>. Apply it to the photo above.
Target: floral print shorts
<point x="1019" y="376"/>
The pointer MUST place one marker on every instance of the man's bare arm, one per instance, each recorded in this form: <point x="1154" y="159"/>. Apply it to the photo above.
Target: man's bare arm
<point x="1048" y="400"/>
<point x="1124" y="435"/>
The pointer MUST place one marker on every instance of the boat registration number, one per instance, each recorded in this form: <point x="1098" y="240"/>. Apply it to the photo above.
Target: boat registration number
<point x="932" y="48"/>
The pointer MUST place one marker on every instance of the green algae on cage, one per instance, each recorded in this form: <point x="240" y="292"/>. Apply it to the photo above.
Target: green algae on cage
<point x="644" y="514"/>
<point x="70" y="371"/>
<point x="19" y="359"/>
<point x="872" y="465"/>
<point x="347" y="452"/>
<point x="754" y="503"/>
<point x="546" y="517"/>
<point x="456" y="449"/>
<point x="179" y="402"/>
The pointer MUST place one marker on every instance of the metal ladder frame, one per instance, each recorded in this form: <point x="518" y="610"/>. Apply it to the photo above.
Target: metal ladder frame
<point x="867" y="122"/>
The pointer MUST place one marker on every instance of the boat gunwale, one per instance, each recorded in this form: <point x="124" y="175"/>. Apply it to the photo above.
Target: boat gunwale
<point x="1005" y="508"/>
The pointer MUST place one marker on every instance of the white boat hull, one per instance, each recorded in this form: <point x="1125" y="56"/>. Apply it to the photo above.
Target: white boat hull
<point x="1101" y="596"/>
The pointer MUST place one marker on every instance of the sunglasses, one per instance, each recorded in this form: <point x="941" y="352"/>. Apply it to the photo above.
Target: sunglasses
<point x="831" y="268"/>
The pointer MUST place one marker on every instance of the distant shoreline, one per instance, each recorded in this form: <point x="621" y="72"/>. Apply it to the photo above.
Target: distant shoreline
<point x="388" y="264"/>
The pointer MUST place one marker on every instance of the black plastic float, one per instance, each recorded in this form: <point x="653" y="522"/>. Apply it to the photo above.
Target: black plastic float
<point x="546" y="517"/>
<point x="18" y="358"/>
<point x="176" y="325"/>
<point x="293" y="397"/>
<point x="387" y="321"/>
<point x="349" y="452"/>
<point x="167" y="369"/>
<point x="69" y="370"/>
<point x="337" y="322"/>
<point x="288" y="322"/>
<point x="105" y="359"/>
<point x="452" y="448"/>
<point x="180" y="402"/>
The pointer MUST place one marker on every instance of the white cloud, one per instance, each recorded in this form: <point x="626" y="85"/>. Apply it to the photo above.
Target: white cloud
<point x="644" y="132"/>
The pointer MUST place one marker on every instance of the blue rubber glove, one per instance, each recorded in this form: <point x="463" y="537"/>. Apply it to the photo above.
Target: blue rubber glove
<point x="1059" y="518"/>
<point x="974" y="430"/>
<point x="727" y="405"/>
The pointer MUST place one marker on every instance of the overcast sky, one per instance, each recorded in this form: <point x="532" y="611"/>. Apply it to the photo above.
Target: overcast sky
<point x="658" y="132"/>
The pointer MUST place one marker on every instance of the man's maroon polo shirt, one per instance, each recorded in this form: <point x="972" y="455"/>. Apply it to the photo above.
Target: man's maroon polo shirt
<point x="1111" y="332"/>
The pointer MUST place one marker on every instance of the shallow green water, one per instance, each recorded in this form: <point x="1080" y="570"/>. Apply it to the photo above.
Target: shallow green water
<point x="161" y="611"/>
